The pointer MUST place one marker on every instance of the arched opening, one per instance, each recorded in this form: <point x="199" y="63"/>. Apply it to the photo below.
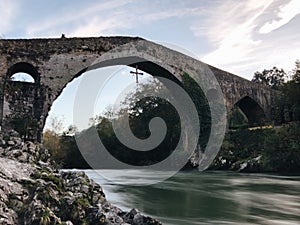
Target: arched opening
<point x="62" y="107"/>
<point x="59" y="126"/>
<point x="237" y="119"/>
<point x="123" y="78"/>
<point x="20" y="98"/>
<point x="124" y="68"/>
<point x="250" y="109"/>
<point x="23" y="72"/>
<point x="22" y="77"/>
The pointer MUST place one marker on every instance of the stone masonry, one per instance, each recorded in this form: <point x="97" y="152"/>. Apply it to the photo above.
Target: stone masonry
<point x="53" y="63"/>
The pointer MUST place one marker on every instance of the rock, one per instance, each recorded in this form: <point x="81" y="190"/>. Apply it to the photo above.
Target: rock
<point x="134" y="217"/>
<point x="84" y="189"/>
<point x="30" y="182"/>
<point x="250" y="165"/>
<point x="11" y="143"/>
<point x="243" y="166"/>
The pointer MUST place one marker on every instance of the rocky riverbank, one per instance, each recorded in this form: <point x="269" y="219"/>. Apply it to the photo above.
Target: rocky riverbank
<point x="33" y="191"/>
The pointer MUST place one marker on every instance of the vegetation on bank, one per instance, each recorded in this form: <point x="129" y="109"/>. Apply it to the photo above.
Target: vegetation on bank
<point x="274" y="148"/>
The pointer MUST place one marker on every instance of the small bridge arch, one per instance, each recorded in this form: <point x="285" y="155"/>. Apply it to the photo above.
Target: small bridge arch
<point x="23" y="95"/>
<point x="24" y="67"/>
<point x="252" y="110"/>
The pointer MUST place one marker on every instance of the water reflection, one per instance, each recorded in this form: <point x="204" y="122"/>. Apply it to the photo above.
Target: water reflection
<point x="211" y="198"/>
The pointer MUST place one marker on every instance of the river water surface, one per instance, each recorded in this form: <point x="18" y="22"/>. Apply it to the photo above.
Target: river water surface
<point x="208" y="197"/>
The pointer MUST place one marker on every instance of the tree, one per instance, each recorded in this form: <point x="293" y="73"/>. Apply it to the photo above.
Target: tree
<point x="287" y="105"/>
<point x="296" y="72"/>
<point x="52" y="141"/>
<point x="282" y="149"/>
<point x="62" y="145"/>
<point x="237" y="119"/>
<point x="140" y="110"/>
<point x="72" y="157"/>
<point x="71" y="130"/>
<point x="56" y="124"/>
<point x="273" y="78"/>
<point x="291" y="93"/>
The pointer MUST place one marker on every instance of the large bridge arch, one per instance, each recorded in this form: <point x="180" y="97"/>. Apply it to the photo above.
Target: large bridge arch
<point x="149" y="67"/>
<point x="130" y="55"/>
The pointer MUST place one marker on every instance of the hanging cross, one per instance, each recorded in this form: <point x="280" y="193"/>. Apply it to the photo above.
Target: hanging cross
<point x="136" y="72"/>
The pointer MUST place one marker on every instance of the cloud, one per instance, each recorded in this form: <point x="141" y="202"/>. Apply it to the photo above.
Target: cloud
<point x="285" y="14"/>
<point x="125" y="19"/>
<point x="96" y="27"/>
<point x="80" y="19"/>
<point x="165" y="14"/>
<point x="230" y="29"/>
<point x="8" y="11"/>
<point x="108" y="18"/>
<point x="233" y="30"/>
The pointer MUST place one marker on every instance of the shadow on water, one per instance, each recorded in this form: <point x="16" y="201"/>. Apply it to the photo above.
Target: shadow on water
<point x="211" y="197"/>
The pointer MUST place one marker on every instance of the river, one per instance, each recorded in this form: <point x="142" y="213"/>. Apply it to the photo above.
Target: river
<point x="190" y="198"/>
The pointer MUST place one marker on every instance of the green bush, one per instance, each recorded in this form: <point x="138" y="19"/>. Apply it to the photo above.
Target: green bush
<point x="282" y="150"/>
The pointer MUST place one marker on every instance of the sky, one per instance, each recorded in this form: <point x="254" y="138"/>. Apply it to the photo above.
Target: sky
<point x="241" y="37"/>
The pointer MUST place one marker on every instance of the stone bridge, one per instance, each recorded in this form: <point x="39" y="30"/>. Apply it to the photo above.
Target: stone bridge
<point x="53" y="63"/>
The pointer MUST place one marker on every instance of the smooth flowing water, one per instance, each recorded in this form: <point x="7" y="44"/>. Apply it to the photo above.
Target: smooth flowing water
<point x="208" y="197"/>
